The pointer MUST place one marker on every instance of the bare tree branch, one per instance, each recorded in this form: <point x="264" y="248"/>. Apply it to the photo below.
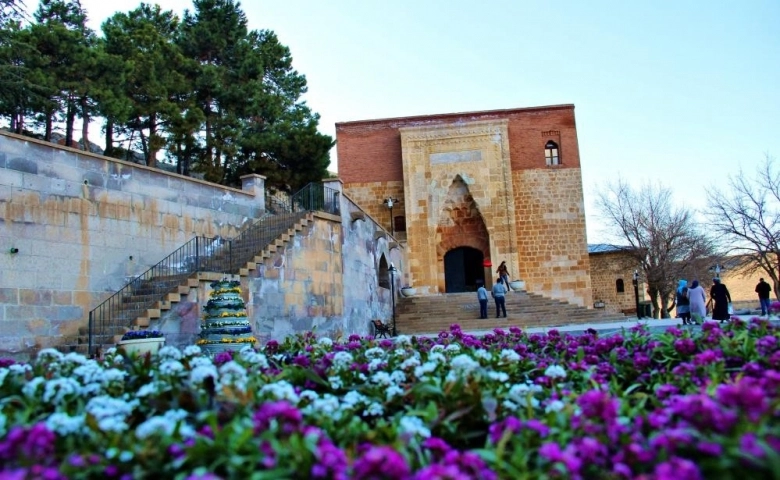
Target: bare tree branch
<point x="748" y="219"/>
<point x="664" y="241"/>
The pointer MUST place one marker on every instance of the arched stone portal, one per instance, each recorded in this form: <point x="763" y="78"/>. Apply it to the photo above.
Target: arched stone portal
<point x="463" y="269"/>
<point x="462" y="239"/>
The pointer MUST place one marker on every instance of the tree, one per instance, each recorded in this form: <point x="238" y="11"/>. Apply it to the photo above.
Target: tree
<point x="144" y="39"/>
<point x="664" y="241"/>
<point x="249" y="96"/>
<point x="747" y="217"/>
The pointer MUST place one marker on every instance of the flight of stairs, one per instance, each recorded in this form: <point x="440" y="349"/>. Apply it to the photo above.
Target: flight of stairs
<point x="148" y="298"/>
<point x="431" y="314"/>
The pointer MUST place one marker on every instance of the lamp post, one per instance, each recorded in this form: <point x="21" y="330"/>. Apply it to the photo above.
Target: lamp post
<point x="636" y="292"/>
<point x="390" y="201"/>
<point x="392" y="292"/>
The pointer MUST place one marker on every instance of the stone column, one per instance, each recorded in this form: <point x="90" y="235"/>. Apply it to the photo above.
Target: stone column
<point x="255" y="184"/>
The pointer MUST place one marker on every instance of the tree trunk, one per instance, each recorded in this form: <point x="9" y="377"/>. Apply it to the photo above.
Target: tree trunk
<point x="109" y="138"/>
<point x="85" y="123"/>
<point x="151" y="159"/>
<point x="69" y="121"/>
<point x="47" y="134"/>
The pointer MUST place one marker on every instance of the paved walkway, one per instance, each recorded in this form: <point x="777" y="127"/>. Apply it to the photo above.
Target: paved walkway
<point x="655" y="325"/>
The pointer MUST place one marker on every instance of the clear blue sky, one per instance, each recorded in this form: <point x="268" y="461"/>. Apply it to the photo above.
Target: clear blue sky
<point x="681" y="93"/>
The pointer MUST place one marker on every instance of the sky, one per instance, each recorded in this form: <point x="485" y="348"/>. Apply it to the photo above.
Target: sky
<point x="683" y="94"/>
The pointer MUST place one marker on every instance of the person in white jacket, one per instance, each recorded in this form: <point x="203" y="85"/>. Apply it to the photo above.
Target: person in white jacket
<point x="698" y="299"/>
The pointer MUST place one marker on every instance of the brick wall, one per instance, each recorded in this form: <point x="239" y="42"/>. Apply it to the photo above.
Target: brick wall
<point x="370" y="151"/>
<point x="477" y="179"/>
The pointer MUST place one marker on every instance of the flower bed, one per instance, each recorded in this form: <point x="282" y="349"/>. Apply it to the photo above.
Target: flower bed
<point x="677" y="405"/>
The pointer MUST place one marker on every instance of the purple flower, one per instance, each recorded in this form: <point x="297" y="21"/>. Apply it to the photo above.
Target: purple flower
<point x="286" y="416"/>
<point x="331" y="461"/>
<point x="223" y="357"/>
<point x="553" y="453"/>
<point x="677" y="469"/>
<point x="745" y="396"/>
<point x="379" y="462"/>
<point x="596" y="404"/>
<point x="684" y="346"/>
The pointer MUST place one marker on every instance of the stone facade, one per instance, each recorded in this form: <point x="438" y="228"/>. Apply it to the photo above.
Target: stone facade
<point x="478" y="183"/>
<point x="75" y="227"/>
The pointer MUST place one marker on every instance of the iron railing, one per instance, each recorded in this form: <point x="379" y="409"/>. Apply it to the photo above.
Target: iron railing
<point x="202" y="254"/>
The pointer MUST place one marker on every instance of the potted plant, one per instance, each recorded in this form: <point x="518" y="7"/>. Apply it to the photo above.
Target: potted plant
<point x="408" y="291"/>
<point x="141" y="342"/>
<point x="517" y="285"/>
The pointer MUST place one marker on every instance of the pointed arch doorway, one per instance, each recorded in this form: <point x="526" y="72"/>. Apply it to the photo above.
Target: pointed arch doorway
<point x="463" y="269"/>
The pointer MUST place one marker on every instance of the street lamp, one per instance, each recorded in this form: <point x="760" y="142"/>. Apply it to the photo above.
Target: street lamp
<point x="392" y="291"/>
<point x="636" y="293"/>
<point x="390" y="201"/>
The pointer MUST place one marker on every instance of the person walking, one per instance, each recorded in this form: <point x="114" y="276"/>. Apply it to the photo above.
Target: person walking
<point x="721" y="297"/>
<point x="763" y="289"/>
<point x="503" y="274"/>
<point x="498" y="293"/>
<point x="697" y="302"/>
<point x="683" y="303"/>
<point x="483" y="299"/>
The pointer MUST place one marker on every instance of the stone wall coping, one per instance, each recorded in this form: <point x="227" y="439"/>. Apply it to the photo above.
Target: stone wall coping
<point x="104" y="158"/>
<point x="393" y="121"/>
<point x="368" y="215"/>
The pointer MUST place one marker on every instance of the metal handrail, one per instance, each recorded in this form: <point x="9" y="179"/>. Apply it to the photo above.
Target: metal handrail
<point x="202" y="254"/>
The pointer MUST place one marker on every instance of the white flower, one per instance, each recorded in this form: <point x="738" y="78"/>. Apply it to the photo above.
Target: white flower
<point x="249" y="355"/>
<point x="342" y="360"/>
<point x="327" y="406"/>
<point x="281" y="390"/>
<point x="325" y="341"/>
<point x="335" y="382"/>
<point x="403" y="340"/>
<point x="74" y="357"/>
<point x="555" y="371"/>
<point x="169" y="353"/>
<point x="554" y="406"/>
<point x="152" y="388"/>
<point x="191" y="351"/>
<point x="20" y="368"/>
<point x="171" y="367"/>
<point x="398" y="376"/>
<point x="498" y="376"/>
<point x="464" y="364"/>
<point x="509" y="356"/>
<point x="374" y="409"/>
<point x="427" y="367"/>
<point x="523" y="395"/>
<point x="381" y="378"/>
<point x="200" y="362"/>
<point x="374" y="364"/>
<point x="353" y="398"/>
<point x="453" y="347"/>
<point x="58" y="389"/>
<point x="49" y="355"/>
<point x="437" y="348"/>
<point x="164" y="425"/>
<point x="30" y="389"/>
<point x="482" y="354"/>
<point x="375" y="352"/>
<point x="199" y="374"/>
<point x="233" y="374"/>
<point x="309" y="395"/>
<point x="393" y="391"/>
<point x="414" y="426"/>
<point x="410" y="363"/>
<point x="437" y="357"/>
<point x="110" y="413"/>
<point x="63" y="424"/>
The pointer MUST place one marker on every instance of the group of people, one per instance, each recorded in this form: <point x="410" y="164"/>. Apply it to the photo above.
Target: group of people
<point x="498" y="293"/>
<point x="692" y="302"/>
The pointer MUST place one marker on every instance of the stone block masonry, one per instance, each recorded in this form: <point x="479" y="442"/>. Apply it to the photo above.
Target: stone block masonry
<point x="84" y="224"/>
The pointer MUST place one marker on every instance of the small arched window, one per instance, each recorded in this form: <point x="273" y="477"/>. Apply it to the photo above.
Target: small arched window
<point x="551" y="155"/>
<point x="383" y="273"/>
<point x="619" y="286"/>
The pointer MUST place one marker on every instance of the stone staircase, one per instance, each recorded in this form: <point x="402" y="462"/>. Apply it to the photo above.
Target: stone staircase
<point x="144" y="303"/>
<point x="431" y="314"/>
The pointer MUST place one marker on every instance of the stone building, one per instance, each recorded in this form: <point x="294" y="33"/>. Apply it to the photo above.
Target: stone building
<point x="462" y="188"/>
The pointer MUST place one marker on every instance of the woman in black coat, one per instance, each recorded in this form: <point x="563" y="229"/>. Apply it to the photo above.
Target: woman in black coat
<point x="721" y="298"/>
